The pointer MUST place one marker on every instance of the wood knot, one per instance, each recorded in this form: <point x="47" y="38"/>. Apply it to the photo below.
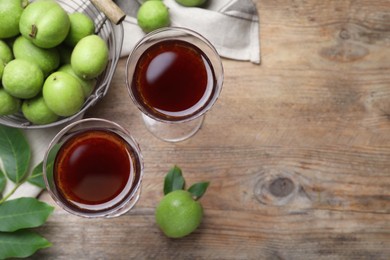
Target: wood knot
<point x="344" y="34"/>
<point x="276" y="187"/>
<point x="344" y="52"/>
<point x="281" y="187"/>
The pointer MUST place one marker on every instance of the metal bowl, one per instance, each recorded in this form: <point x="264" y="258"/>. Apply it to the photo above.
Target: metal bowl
<point x="112" y="34"/>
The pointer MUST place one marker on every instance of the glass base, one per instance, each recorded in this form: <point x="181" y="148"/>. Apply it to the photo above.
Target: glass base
<point x="173" y="132"/>
<point x="126" y="207"/>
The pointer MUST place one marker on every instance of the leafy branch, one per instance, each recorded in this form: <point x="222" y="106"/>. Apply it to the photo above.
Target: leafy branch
<point x="19" y="216"/>
<point x="35" y="178"/>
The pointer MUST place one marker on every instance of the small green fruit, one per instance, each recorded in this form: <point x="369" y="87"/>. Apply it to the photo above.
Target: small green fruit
<point x="89" y="57"/>
<point x="10" y="12"/>
<point x="45" y="23"/>
<point x="5" y="52"/>
<point x="178" y="214"/>
<point x="63" y="94"/>
<point x="87" y="84"/>
<point x="153" y="15"/>
<point x="37" y="112"/>
<point x="191" y="3"/>
<point x="1" y="68"/>
<point x="22" y="79"/>
<point x="8" y="104"/>
<point x="47" y="59"/>
<point x="81" y="25"/>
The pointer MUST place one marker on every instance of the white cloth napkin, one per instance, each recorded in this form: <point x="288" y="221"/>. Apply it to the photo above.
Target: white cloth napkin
<point x="232" y="26"/>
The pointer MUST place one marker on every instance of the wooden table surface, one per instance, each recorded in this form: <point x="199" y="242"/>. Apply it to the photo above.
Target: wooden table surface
<point x="297" y="149"/>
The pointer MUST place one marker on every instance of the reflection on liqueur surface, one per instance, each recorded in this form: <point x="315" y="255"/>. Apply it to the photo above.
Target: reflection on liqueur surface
<point x="173" y="79"/>
<point x="95" y="170"/>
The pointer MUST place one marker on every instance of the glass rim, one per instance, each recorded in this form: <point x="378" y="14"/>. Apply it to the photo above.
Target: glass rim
<point x="104" y="213"/>
<point x="216" y="65"/>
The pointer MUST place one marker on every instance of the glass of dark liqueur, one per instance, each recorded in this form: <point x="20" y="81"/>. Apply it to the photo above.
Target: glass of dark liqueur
<point x="174" y="76"/>
<point x="94" y="168"/>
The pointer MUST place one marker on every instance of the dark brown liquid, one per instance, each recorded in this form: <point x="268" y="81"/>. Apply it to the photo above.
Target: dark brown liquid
<point x="95" y="170"/>
<point x="173" y="78"/>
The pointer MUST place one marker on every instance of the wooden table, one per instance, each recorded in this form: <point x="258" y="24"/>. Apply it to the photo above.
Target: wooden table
<point x="297" y="149"/>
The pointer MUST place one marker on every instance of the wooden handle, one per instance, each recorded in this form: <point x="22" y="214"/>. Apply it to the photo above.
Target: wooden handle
<point x="110" y="9"/>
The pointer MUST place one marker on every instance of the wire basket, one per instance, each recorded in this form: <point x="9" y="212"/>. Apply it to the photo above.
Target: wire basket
<point x="112" y="34"/>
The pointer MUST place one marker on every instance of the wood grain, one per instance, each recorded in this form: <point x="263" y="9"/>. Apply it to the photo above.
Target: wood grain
<point x="297" y="149"/>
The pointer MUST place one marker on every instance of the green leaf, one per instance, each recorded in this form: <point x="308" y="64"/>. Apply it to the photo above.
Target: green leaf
<point x="3" y="181"/>
<point x="15" y="153"/>
<point x="173" y="180"/>
<point x="22" y="243"/>
<point x="198" y="189"/>
<point x="36" y="176"/>
<point x="23" y="213"/>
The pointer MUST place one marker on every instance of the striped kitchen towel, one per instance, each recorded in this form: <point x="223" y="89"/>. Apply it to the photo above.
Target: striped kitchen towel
<point x="232" y="26"/>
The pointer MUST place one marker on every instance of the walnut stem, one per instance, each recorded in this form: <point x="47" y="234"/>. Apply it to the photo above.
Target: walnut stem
<point x="34" y="31"/>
